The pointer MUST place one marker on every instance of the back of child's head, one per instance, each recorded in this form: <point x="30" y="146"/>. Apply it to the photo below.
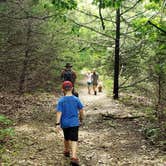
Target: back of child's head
<point x="67" y="85"/>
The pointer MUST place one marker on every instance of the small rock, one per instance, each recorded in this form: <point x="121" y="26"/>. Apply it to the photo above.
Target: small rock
<point x="100" y="162"/>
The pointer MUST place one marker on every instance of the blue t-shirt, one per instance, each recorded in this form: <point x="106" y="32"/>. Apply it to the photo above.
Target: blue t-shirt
<point x="69" y="106"/>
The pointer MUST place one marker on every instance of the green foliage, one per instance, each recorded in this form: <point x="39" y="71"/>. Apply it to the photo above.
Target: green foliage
<point x="43" y="33"/>
<point x="151" y="130"/>
<point x="35" y="1"/>
<point x="6" y="132"/>
<point x="156" y="1"/>
<point x="65" y="4"/>
<point x="152" y="6"/>
<point x="152" y="133"/>
<point x="109" y="3"/>
<point x="4" y="120"/>
<point x="3" y="7"/>
<point x="141" y="25"/>
<point x="75" y="29"/>
<point x="108" y="84"/>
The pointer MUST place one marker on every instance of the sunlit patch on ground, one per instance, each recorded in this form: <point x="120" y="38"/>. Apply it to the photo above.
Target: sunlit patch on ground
<point x="26" y="128"/>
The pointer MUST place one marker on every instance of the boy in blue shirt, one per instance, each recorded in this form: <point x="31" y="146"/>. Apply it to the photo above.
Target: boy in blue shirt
<point x="69" y="115"/>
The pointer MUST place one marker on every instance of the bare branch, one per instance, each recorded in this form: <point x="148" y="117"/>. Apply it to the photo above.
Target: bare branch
<point x="94" y="43"/>
<point x="134" y="83"/>
<point x="128" y="23"/>
<point x="136" y="15"/>
<point x="90" y="14"/>
<point x="100" y="14"/>
<point x="130" y="8"/>
<point x="90" y="28"/>
<point x="124" y="82"/>
<point x="133" y="48"/>
<point x="162" y="30"/>
<point x="92" y="21"/>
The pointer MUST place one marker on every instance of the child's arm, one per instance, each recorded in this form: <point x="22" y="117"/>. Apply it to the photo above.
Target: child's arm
<point x="58" y="117"/>
<point x="81" y="115"/>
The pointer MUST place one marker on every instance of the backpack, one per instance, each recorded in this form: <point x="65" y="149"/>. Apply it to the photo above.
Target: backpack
<point x="68" y="76"/>
<point x="95" y="78"/>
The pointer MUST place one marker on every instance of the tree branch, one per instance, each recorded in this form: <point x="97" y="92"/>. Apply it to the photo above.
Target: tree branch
<point x="133" y="84"/>
<point x="124" y="82"/>
<point x="100" y="14"/>
<point x="90" y="14"/>
<point x="130" y="8"/>
<point x="162" y="30"/>
<point x="133" y="48"/>
<point x="90" y="28"/>
<point x="95" y="43"/>
<point x="129" y="19"/>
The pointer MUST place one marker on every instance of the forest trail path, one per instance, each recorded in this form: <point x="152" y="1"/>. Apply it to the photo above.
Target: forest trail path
<point x="113" y="142"/>
<point x="103" y="142"/>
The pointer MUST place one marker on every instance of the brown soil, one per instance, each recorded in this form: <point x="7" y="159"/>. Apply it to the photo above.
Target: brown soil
<point x="103" y="142"/>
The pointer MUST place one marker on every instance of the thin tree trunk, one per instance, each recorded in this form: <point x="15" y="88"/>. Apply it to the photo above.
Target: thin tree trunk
<point x="116" y="61"/>
<point x="25" y="62"/>
<point x="23" y="72"/>
<point x="159" y="103"/>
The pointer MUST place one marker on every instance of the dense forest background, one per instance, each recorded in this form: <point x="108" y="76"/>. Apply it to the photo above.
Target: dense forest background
<point x="125" y="40"/>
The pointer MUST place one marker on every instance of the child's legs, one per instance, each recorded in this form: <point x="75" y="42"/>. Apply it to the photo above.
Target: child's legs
<point x="67" y="145"/>
<point x="74" y="149"/>
<point x="71" y="138"/>
<point x="66" y="140"/>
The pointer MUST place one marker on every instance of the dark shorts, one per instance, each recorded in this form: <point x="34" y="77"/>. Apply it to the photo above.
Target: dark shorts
<point x="71" y="133"/>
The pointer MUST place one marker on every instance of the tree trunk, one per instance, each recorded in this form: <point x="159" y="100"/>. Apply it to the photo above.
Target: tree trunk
<point x="23" y="72"/>
<point x="116" y="61"/>
<point x="26" y="59"/>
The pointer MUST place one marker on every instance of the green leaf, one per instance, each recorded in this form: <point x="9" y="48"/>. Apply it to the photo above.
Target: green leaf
<point x="4" y="120"/>
<point x="152" y="6"/>
<point x="64" y="4"/>
<point x="9" y="132"/>
<point x="109" y="3"/>
<point x="75" y="29"/>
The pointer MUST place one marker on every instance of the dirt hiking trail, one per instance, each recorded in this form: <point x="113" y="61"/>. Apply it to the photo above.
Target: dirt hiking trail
<point x="103" y="141"/>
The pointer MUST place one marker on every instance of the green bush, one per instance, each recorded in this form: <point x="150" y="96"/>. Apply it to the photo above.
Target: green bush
<point x="6" y="132"/>
<point x="108" y="85"/>
<point x="152" y="133"/>
<point x="4" y="121"/>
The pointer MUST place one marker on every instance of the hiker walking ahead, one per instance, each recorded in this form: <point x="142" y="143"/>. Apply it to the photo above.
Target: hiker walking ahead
<point x="95" y="78"/>
<point x="69" y="75"/>
<point x="69" y="115"/>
